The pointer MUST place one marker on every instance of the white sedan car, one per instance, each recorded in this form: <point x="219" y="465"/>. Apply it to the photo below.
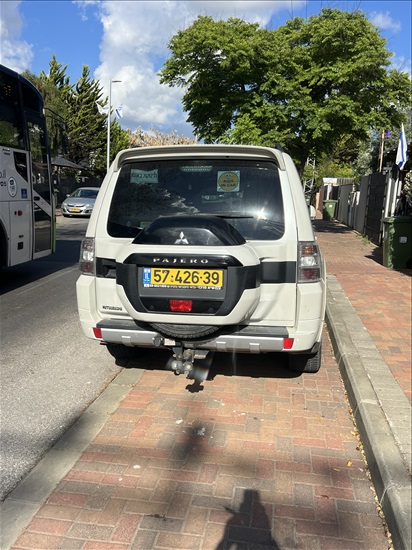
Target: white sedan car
<point x="80" y="202"/>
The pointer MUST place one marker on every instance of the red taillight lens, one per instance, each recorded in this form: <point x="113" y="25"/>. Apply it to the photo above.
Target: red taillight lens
<point x="181" y="305"/>
<point x="288" y="343"/>
<point x="97" y="333"/>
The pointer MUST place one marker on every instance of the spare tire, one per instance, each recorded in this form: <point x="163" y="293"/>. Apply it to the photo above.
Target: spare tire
<point x="184" y="331"/>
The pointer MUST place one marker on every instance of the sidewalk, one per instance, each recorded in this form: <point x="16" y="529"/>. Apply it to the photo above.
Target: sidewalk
<point x="137" y="472"/>
<point x="369" y="320"/>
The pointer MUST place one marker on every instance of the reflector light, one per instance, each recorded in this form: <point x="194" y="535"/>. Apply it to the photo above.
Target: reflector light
<point x="288" y="343"/>
<point x="97" y="333"/>
<point x="181" y="305"/>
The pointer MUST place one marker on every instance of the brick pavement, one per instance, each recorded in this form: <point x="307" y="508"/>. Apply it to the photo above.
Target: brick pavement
<point x="380" y="296"/>
<point x="257" y="458"/>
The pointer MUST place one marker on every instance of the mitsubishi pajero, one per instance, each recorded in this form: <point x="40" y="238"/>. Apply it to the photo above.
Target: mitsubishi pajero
<point x="200" y="248"/>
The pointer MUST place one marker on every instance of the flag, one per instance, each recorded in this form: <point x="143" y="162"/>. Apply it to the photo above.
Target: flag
<point x="102" y="110"/>
<point x="119" y="112"/>
<point x="402" y="148"/>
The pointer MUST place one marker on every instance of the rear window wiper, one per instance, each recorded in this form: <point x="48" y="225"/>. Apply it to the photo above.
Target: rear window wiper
<point x="234" y="216"/>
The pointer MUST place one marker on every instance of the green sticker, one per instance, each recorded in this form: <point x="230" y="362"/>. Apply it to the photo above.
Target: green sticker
<point x="143" y="176"/>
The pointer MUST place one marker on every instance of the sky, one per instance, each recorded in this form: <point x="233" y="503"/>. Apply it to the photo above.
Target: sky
<point x="127" y="41"/>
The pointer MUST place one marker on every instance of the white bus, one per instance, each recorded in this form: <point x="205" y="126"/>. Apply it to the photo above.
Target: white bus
<point x="27" y="208"/>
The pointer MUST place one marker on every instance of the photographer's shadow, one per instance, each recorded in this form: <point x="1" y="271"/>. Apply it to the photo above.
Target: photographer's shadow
<point x="249" y="527"/>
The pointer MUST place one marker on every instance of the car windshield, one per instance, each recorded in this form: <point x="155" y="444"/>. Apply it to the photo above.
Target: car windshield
<point x="246" y="193"/>
<point x="85" y="193"/>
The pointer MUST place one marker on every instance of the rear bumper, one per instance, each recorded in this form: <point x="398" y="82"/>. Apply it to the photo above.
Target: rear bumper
<point x="239" y="339"/>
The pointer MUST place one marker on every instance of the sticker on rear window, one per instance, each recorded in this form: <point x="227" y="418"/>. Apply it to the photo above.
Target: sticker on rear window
<point x="228" y="181"/>
<point x="143" y="176"/>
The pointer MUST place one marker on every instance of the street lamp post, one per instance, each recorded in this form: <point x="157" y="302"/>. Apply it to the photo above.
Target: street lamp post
<point x="109" y="122"/>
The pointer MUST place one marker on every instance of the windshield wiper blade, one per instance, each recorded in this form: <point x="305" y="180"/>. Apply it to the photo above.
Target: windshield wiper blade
<point x="234" y="216"/>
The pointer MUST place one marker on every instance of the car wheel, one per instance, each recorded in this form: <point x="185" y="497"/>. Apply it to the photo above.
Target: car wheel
<point x="306" y="362"/>
<point x="119" y="351"/>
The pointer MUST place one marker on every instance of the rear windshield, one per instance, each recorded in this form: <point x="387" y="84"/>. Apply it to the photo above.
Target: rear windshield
<point x="85" y="193"/>
<point x="246" y="193"/>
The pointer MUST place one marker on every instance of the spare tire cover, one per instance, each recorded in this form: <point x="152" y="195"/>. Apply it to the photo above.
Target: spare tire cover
<point x="184" y="331"/>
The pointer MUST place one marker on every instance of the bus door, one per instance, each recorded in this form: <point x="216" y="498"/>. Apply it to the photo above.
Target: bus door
<point x="42" y="191"/>
<point x="16" y="205"/>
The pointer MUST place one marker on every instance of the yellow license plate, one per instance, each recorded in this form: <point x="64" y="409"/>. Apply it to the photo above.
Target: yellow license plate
<point x="74" y="210"/>
<point x="162" y="277"/>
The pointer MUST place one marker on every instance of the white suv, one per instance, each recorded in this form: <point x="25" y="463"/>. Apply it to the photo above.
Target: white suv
<point x="200" y="248"/>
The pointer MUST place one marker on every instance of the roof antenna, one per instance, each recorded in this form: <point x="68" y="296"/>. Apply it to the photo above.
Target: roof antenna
<point x="279" y="147"/>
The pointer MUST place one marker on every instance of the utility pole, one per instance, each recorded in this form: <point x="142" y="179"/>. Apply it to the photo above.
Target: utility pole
<point x="109" y="122"/>
<point x="381" y="150"/>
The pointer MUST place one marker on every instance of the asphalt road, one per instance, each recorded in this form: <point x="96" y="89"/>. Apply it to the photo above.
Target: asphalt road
<point x="50" y="372"/>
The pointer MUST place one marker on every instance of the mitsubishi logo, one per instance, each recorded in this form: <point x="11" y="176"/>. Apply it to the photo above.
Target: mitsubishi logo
<point x="182" y="239"/>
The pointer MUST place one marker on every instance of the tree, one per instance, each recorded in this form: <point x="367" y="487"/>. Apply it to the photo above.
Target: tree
<point x="54" y="89"/>
<point x="86" y="126"/>
<point x="305" y="85"/>
<point x="57" y="89"/>
<point x="119" y="139"/>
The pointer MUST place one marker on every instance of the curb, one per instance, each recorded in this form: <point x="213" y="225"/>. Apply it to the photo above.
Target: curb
<point x="368" y="382"/>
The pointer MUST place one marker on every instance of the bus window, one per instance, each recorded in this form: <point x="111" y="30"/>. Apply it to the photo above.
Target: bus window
<point x="40" y="169"/>
<point x="11" y="123"/>
<point x="31" y="99"/>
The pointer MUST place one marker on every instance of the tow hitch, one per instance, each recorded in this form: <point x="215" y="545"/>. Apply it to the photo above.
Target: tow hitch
<point x="183" y="362"/>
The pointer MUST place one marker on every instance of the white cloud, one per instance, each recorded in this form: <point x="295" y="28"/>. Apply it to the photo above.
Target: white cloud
<point x="14" y="53"/>
<point x="402" y="64"/>
<point x="134" y="46"/>
<point x="385" y="22"/>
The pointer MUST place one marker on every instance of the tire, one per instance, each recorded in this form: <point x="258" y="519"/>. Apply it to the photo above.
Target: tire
<point x="184" y="331"/>
<point x="125" y="353"/>
<point x="306" y="362"/>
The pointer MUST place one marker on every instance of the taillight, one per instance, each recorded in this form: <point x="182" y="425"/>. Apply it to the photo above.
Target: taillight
<point x="87" y="262"/>
<point x="309" y="263"/>
<point x="184" y="306"/>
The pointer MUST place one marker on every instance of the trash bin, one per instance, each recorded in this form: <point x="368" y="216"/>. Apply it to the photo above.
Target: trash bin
<point x="329" y="208"/>
<point x="397" y="242"/>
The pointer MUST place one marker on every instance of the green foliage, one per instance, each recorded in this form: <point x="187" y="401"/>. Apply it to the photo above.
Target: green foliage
<point x="55" y="103"/>
<point x="305" y="85"/>
<point x="119" y="139"/>
<point x="86" y="126"/>
<point x="73" y="118"/>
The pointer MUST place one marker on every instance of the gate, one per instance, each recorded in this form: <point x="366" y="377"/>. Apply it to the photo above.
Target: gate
<point x="375" y="207"/>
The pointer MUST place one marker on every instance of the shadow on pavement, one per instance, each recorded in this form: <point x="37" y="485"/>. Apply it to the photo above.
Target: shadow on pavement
<point x="271" y="365"/>
<point x="249" y="524"/>
<point x="67" y="254"/>
<point x="330" y="226"/>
